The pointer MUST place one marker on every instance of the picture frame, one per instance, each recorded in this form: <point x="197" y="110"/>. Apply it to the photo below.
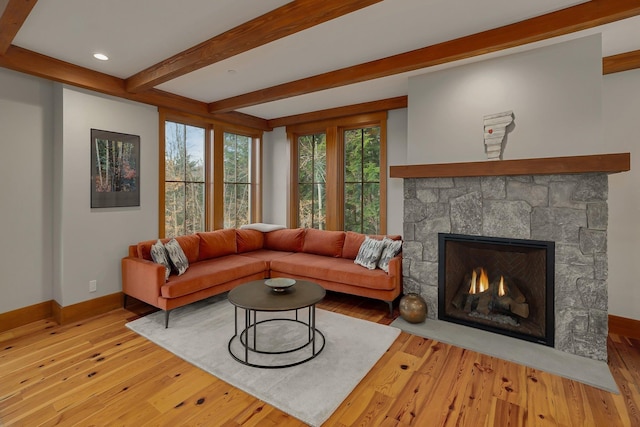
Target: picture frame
<point x="115" y="169"/>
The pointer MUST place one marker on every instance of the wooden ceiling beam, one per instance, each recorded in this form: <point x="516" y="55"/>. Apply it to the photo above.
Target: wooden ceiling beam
<point x="284" y="21"/>
<point x="349" y="110"/>
<point x="14" y="13"/>
<point x="35" y="64"/>
<point x="585" y="15"/>
<point x="621" y="62"/>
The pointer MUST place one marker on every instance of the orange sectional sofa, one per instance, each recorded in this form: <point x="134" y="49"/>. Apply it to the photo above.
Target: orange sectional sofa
<point x="220" y="260"/>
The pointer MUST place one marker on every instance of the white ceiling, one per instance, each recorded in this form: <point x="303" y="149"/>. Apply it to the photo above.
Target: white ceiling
<point x="141" y="33"/>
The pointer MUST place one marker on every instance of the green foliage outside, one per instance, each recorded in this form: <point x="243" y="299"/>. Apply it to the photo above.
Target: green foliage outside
<point x="237" y="180"/>
<point x="362" y="180"/>
<point x="312" y="181"/>
<point x="184" y="179"/>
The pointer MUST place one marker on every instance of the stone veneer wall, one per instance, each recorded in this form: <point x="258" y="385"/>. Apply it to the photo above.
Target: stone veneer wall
<point x="568" y="209"/>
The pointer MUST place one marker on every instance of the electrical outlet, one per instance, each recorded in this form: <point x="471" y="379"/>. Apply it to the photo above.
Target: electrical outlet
<point x="93" y="285"/>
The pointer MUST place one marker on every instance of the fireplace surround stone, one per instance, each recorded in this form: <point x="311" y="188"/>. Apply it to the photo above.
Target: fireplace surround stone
<point x="569" y="209"/>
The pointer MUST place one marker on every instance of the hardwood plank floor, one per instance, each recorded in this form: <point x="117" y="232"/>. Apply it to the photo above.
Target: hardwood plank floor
<point x="98" y="372"/>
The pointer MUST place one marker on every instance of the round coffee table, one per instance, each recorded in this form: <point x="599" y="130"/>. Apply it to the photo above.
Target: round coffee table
<point x="256" y="297"/>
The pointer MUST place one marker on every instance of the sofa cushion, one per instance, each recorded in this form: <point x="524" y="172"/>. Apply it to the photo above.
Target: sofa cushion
<point x="176" y="255"/>
<point x="144" y="248"/>
<point x="337" y="270"/>
<point x="266" y="255"/>
<point x="190" y="244"/>
<point x="290" y="239"/>
<point x="211" y="272"/>
<point x="369" y="253"/>
<point x="391" y="249"/>
<point x="249" y="240"/>
<point x="323" y="242"/>
<point x="214" y="244"/>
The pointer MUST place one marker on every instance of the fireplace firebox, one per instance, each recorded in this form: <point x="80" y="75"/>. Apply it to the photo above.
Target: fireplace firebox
<point x="500" y="285"/>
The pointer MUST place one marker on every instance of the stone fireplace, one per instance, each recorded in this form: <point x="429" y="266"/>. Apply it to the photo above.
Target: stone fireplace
<point x="560" y="200"/>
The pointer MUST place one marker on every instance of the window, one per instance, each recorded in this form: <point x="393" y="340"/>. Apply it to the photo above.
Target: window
<point x="237" y="180"/>
<point x="184" y="168"/>
<point x="210" y="175"/>
<point x="362" y="180"/>
<point x="339" y="174"/>
<point x="312" y="181"/>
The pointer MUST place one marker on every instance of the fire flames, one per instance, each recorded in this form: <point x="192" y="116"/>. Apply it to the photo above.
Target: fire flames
<point x="501" y="288"/>
<point x="480" y="283"/>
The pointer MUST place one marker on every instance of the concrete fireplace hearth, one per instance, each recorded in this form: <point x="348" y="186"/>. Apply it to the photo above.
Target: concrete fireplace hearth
<point x="562" y="199"/>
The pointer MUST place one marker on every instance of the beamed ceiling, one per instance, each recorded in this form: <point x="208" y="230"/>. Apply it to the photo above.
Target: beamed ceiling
<point x="270" y="63"/>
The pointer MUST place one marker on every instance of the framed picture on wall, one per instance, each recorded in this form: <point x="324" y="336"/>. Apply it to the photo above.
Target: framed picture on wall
<point x="115" y="169"/>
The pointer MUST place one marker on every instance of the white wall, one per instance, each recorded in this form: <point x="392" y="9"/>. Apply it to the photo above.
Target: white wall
<point x="276" y="172"/>
<point x="621" y="112"/>
<point x="554" y="92"/>
<point x="396" y="155"/>
<point x="92" y="241"/>
<point x="26" y="144"/>
<point x="275" y="176"/>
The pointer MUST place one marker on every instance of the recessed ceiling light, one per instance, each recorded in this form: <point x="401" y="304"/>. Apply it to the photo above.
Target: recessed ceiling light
<point x="101" y="56"/>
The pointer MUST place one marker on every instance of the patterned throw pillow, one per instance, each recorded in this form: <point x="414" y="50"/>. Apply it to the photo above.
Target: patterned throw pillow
<point x="159" y="256"/>
<point x="391" y="249"/>
<point x="369" y="253"/>
<point x="177" y="256"/>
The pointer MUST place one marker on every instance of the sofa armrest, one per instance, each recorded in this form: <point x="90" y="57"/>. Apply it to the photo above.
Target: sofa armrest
<point x="395" y="266"/>
<point x="142" y="279"/>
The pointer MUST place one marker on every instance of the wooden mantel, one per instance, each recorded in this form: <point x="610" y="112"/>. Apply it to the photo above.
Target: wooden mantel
<point x="605" y="163"/>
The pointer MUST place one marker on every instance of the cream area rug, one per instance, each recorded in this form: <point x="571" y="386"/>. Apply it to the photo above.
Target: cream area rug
<point x="588" y="371"/>
<point x="199" y="333"/>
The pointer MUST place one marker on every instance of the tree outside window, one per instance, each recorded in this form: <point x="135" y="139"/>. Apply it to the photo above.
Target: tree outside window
<point x="312" y="180"/>
<point x="362" y="180"/>
<point x="237" y="180"/>
<point x="184" y="179"/>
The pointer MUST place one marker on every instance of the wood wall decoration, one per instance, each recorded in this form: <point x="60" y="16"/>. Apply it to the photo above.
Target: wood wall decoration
<point x="495" y="130"/>
<point x="115" y="169"/>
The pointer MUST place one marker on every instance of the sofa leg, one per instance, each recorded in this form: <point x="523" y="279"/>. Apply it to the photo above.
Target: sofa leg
<point x="124" y="301"/>
<point x="166" y="318"/>
<point x="390" y="303"/>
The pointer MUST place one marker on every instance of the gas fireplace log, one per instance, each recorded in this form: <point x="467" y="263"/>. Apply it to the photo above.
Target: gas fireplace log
<point x="484" y="303"/>
<point x="474" y="302"/>
<point x="459" y="300"/>
<point x="520" y="308"/>
<point x="508" y="305"/>
<point x="469" y="300"/>
<point x="515" y="292"/>
<point x="487" y="301"/>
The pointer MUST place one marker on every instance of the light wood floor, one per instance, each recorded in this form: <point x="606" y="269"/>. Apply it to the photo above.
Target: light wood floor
<point x="97" y="372"/>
